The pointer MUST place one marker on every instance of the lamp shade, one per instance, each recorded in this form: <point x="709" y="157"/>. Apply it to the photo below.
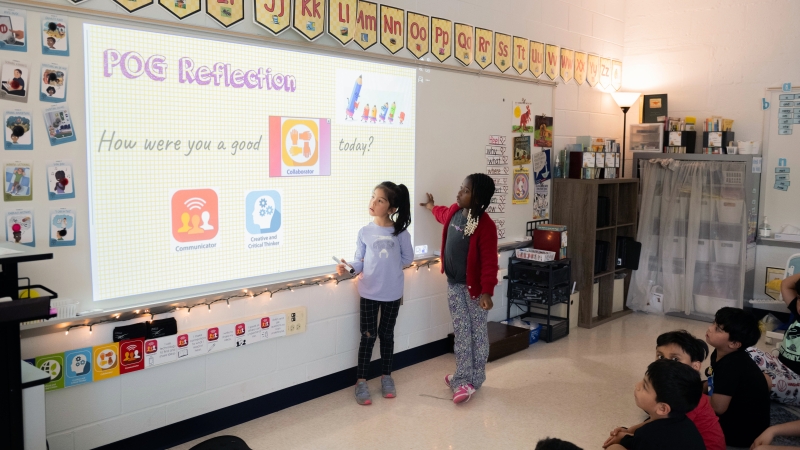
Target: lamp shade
<point x="625" y="99"/>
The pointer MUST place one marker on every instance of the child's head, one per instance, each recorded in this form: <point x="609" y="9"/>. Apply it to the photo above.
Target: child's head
<point x="682" y="347"/>
<point x="60" y="175"/>
<point x="51" y="42"/>
<point x="555" y="444"/>
<point x="17" y="73"/>
<point x="389" y="199"/>
<point x="733" y="329"/>
<point x="475" y="194"/>
<point x="668" y="389"/>
<point x="51" y="91"/>
<point x="16" y="132"/>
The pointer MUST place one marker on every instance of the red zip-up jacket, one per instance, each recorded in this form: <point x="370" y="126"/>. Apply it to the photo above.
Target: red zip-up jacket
<point x="482" y="254"/>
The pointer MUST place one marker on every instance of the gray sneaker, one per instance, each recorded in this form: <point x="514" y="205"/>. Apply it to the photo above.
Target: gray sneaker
<point x="362" y="393"/>
<point x="387" y="387"/>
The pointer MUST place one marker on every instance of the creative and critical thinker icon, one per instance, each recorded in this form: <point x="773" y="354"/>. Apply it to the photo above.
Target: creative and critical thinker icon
<point x="263" y="209"/>
<point x="299" y="147"/>
<point x="195" y="215"/>
<point x="80" y="365"/>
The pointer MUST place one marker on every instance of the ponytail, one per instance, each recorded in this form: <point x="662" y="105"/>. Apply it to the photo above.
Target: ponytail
<point x="398" y="198"/>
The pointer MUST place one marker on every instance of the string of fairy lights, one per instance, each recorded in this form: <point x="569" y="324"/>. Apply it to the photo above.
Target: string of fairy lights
<point x="246" y="293"/>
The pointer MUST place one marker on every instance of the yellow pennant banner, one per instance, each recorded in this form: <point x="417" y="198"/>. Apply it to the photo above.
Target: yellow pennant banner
<point x="308" y="18"/>
<point x="567" y="64"/>
<point x="366" y="24"/>
<point x="520" y="59"/>
<point x="552" y="61"/>
<point x="616" y="75"/>
<point x="502" y="51"/>
<point x="605" y="72"/>
<point x="342" y="19"/>
<point x="274" y="15"/>
<point x="392" y="28"/>
<point x="442" y="40"/>
<point x="537" y="59"/>
<point x="417" y="37"/>
<point x="592" y="70"/>
<point x="181" y="8"/>
<point x="464" y="41"/>
<point x="225" y="12"/>
<point x="484" y="47"/>
<point x="580" y="68"/>
<point x="133" y="5"/>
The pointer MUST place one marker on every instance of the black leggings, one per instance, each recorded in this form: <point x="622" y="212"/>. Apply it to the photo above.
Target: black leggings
<point x="370" y="330"/>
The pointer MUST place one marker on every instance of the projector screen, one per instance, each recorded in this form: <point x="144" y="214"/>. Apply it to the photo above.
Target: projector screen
<point x="213" y="162"/>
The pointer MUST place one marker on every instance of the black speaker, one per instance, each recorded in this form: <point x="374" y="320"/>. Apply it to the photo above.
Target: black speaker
<point x="628" y="252"/>
<point x="601" y="256"/>
<point x="603" y="212"/>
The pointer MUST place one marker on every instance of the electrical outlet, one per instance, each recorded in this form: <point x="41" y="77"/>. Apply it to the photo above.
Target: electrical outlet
<point x="421" y="250"/>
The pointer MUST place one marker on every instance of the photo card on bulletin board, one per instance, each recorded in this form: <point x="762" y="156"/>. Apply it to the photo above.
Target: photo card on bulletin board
<point x="53" y="83"/>
<point x="13" y="30"/>
<point x="55" y="40"/>
<point x="18" y="130"/>
<point x="14" y="77"/>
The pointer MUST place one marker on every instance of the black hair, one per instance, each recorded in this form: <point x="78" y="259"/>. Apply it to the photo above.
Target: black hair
<point x="51" y="88"/>
<point x="740" y="326"/>
<point x="482" y="192"/>
<point x="697" y="349"/>
<point x="17" y="131"/>
<point x="676" y="384"/>
<point x="555" y="444"/>
<point x="52" y="77"/>
<point x="398" y="197"/>
<point x="52" y="26"/>
<point x="60" y="174"/>
<point x="62" y="233"/>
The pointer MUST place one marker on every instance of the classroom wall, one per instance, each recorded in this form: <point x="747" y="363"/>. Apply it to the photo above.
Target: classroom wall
<point x="99" y="413"/>
<point x="715" y="57"/>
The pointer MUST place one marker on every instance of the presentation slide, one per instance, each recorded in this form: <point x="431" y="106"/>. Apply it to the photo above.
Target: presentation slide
<point x="213" y="161"/>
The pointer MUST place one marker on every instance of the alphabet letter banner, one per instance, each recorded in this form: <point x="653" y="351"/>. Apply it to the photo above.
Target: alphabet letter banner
<point x="593" y="70"/>
<point x="520" y="54"/>
<point x="392" y="28"/>
<point x="551" y="61"/>
<point x="464" y="43"/>
<point x="580" y="68"/>
<point x="308" y="18"/>
<point x="366" y="24"/>
<point x="225" y="12"/>
<point x="616" y="75"/>
<point x="418" y="31"/>
<point x="484" y="46"/>
<point x="133" y="6"/>
<point x="274" y="15"/>
<point x="605" y="72"/>
<point x="341" y="19"/>
<point x="537" y="59"/>
<point x="567" y="64"/>
<point x="442" y="43"/>
<point x="182" y="9"/>
<point x="502" y="47"/>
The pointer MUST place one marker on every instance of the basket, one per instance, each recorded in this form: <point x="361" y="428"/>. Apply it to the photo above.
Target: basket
<point x="535" y="254"/>
<point x="66" y="308"/>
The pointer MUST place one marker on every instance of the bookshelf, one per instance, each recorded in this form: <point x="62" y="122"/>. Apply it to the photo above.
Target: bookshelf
<point x="576" y="204"/>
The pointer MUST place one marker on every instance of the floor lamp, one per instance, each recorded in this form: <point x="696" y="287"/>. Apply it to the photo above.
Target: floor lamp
<point x="624" y="100"/>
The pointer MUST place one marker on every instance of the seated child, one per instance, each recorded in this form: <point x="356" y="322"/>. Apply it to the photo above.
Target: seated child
<point x="555" y="444"/>
<point x="684" y="348"/>
<point x="785" y="429"/>
<point x="738" y="390"/>
<point x="668" y="391"/>
<point x="783" y="371"/>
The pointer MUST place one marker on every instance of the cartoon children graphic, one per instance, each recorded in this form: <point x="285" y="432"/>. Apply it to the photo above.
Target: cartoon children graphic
<point x="384" y="109"/>
<point x="61" y="181"/>
<point x="19" y="172"/>
<point x="16" y="132"/>
<point x="373" y="115"/>
<point x="63" y="231"/>
<point x="365" y="114"/>
<point x="391" y="112"/>
<point x="16" y="231"/>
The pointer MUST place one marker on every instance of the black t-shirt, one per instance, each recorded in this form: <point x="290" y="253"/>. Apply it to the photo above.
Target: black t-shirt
<point x="671" y="433"/>
<point x="790" y="347"/>
<point x="737" y="376"/>
<point x="456" y="249"/>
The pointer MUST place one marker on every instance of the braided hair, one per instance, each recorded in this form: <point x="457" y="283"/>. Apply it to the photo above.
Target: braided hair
<point x="399" y="198"/>
<point x="482" y="192"/>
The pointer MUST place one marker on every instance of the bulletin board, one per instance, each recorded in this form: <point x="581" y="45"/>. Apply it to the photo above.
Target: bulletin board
<point x="777" y="149"/>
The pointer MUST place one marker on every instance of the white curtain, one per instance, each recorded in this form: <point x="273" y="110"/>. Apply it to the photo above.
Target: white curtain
<point x="692" y="228"/>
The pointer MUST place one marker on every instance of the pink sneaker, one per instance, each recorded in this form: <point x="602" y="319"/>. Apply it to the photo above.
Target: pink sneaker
<point x="447" y="379"/>
<point x="463" y="394"/>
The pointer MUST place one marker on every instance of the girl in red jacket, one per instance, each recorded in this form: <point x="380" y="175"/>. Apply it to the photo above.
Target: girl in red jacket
<point x="469" y="259"/>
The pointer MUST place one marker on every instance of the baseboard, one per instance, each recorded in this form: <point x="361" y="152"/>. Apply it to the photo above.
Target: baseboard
<point x="203" y="425"/>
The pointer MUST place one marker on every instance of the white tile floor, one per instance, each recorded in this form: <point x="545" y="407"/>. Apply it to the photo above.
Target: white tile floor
<point x="575" y="389"/>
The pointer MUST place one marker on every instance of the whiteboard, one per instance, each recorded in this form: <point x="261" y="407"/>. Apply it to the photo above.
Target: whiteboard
<point x="457" y="112"/>
<point x="778" y="205"/>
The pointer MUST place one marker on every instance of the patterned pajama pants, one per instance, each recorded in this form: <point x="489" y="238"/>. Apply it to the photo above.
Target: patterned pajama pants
<point x="471" y="337"/>
<point x="785" y="383"/>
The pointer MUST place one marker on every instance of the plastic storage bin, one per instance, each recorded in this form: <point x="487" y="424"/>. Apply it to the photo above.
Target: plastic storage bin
<point x="704" y="249"/>
<point x="730" y="210"/>
<point x="727" y="252"/>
